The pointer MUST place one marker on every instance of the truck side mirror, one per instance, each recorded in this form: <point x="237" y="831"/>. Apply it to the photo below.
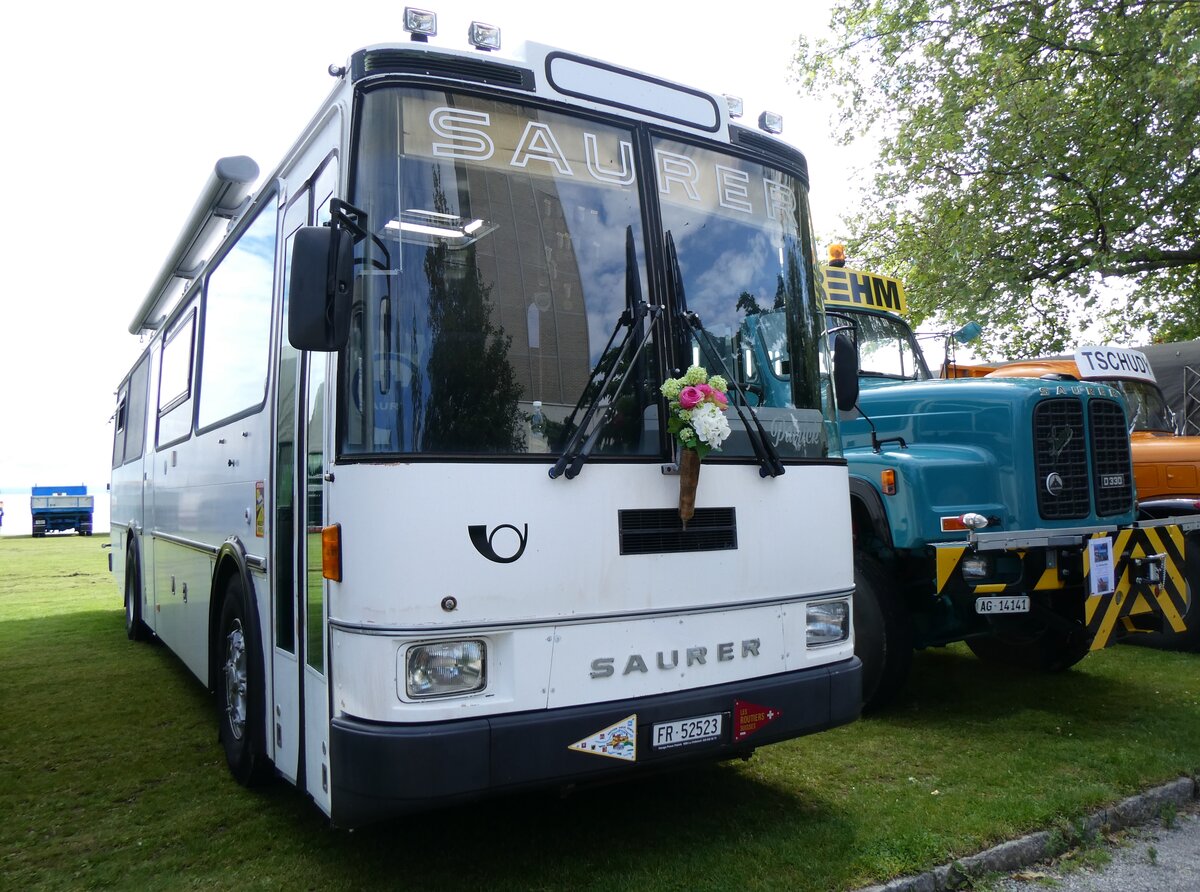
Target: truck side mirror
<point x="322" y="281"/>
<point x="845" y="372"/>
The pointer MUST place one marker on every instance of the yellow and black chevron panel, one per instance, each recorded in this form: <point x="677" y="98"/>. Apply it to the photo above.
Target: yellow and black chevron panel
<point x="1133" y="595"/>
<point x="1034" y="576"/>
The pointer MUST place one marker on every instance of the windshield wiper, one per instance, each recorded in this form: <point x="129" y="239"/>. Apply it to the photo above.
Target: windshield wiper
<point x="760" y="442"/>
<point x="577" y="450"/>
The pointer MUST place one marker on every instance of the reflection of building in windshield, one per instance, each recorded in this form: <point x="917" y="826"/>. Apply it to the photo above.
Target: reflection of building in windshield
<point x="538" y="293"/>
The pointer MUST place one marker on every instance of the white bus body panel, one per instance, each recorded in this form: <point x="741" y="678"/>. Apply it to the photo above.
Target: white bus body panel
<point x="571" y="597"/>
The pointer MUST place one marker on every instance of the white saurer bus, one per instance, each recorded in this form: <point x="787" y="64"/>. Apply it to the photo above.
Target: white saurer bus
<point x="393" y="476"/>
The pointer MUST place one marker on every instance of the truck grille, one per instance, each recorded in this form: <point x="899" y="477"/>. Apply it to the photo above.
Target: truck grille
<point x="1064" y="485"/>
<point x="1060" y="459"/>
<point x="1110" y="457"/>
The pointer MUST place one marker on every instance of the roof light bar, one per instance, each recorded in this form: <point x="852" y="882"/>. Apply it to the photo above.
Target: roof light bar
<point x="484" y="37"/>
<point x="420" y="23"/>
<point x="770" y="122"/>
<point x="736" y="107"/>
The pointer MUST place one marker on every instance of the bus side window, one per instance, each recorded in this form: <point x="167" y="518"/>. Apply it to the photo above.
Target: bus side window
<point x="119" y="429"/>
<point x="234" y="353"/>
<point x="175" y="383"/>
<point x="135" y="410"/>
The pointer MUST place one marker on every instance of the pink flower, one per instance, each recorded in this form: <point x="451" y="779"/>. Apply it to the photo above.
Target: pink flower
<point x="690" y="397"/>
<point x="719" y="398"/>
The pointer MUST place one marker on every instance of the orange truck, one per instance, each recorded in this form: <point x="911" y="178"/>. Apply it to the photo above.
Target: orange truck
<point x="1166" y="464"/>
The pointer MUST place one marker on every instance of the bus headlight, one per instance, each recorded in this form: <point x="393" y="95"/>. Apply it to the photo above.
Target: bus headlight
<point x="828" y="622"/>
<point x="444" y="668"/>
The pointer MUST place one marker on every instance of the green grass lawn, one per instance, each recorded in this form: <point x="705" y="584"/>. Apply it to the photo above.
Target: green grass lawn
<point x="111" y="775"/>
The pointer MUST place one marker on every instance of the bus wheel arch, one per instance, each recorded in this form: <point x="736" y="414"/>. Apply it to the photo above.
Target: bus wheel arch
<point x="135" y="625"/>
<point x="237" y="669"/>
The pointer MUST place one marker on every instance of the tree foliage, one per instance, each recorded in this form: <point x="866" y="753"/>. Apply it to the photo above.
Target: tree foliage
<point x="1032" y="153"/>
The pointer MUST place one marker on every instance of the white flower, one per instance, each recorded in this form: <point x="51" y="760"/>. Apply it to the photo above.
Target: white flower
<point x="711" y="426"/>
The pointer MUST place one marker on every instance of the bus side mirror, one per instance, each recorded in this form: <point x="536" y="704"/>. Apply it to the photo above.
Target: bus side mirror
<point x="322" y="281"/>
<point x="845" y="372"/>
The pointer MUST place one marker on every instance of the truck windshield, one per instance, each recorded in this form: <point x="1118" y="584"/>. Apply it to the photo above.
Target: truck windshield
<point x="1146" y="405"/>
<point x="887" y="348"/>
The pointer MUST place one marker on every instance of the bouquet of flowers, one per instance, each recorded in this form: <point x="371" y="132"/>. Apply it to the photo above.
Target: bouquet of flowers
<point x="698" y="422"/>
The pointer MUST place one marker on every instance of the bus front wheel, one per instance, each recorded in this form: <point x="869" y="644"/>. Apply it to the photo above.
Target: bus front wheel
<point x="240" y="690"/>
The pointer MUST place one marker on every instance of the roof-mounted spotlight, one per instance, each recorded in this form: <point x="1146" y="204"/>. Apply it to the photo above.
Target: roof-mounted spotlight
<point x="736" y="109"/>
<point x="420" y="23"/>
<point x="484" y="37"/>
<point x="770" y="122"/>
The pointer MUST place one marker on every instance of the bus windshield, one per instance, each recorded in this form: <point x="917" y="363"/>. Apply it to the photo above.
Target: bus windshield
<point x="496" y="270"/>
<point x="744" y="244"/>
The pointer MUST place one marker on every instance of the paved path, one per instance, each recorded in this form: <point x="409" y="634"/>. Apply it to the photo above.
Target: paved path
<point x="1149" y="859"/>
<point x="1153" y="857"/>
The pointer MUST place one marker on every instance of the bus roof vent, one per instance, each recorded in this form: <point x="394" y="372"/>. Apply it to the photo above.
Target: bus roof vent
<point x="481" y="71"/>
<point x="660" y="531"/>
<point x="781" y="153"/>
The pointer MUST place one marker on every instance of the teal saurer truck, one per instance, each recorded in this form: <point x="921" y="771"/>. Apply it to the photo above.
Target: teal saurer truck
<point x="999" y="512"/>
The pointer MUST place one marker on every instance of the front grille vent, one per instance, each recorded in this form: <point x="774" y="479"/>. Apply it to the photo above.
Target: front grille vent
<point x="660" y="531"/>
<point x="1060" y="459"/>
<point x="1111" y="458"/>
<point x="479" y="71"/>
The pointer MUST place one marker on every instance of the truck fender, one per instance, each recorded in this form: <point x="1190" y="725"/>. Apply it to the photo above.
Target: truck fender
<point x="867" y="511"/>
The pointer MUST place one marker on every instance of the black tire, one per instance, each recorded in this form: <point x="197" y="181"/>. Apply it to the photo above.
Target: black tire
<point x="1037" y="650"/>
<point x="883" y="638"/>
<point x="135" y="628"/>
<point x="1189" y="639"/>
<point x="240" y="690"/>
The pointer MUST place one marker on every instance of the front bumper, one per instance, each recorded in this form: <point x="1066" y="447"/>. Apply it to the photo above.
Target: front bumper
<point x="1147" y="590"/>
<point x="378" y="771"/>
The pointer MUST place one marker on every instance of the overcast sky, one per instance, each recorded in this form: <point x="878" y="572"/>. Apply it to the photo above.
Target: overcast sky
<point x="117" y="112"/>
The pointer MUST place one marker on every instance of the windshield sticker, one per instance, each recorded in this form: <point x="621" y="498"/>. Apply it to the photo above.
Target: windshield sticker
<point x="721" y="189"/>
<point x="617" y="741"/>
<point x="800" y="430"/>
<point x="499" y="140"/>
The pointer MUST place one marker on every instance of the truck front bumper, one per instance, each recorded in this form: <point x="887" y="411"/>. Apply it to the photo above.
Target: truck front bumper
<point x="1137" y="583"/>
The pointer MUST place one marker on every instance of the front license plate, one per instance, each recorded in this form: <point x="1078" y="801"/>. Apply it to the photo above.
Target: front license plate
<point x="989" y="606"/>
<point x="687" y="731"/>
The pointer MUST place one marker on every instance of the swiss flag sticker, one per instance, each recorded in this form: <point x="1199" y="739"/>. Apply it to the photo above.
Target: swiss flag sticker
<point x="751" y="717"/>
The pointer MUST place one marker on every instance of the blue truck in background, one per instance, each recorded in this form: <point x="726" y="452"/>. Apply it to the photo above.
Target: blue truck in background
<point x="1000" y="512"/>
<point x="56" y="509"/>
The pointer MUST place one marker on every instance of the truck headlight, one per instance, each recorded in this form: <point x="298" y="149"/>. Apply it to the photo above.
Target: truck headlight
<point x="444" y="668"/>
<point x="828" y="622"/>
